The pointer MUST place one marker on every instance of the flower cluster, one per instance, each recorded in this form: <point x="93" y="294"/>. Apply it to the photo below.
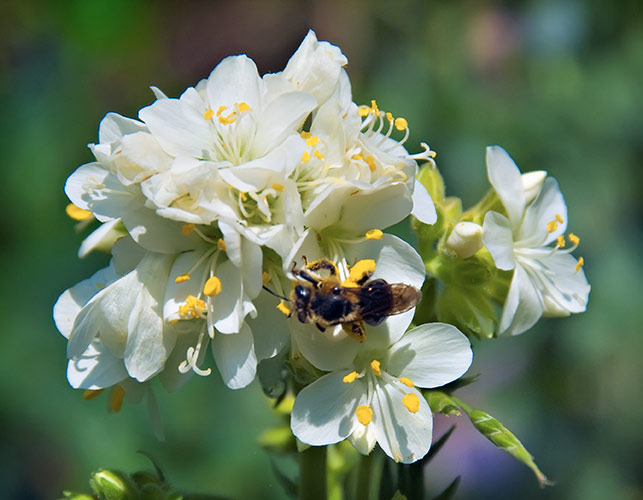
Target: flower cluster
<point x="209" y="202"/>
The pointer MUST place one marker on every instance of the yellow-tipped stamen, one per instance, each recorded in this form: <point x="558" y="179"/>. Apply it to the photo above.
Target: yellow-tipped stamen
<point x="212" y="287"/>
<point x="116" y="398"/>
<point x="374" y="107"/>
<point x="318" y="155"/>
<point x="559" y="218"/>
<point x="278" y="187"/>
<point x="560" y="241"/>
<point x="411" y="402"/>
<point x="305" y="157"/>
<point x="375" y="367"/>
<point x="305" y="134"/>
<point x="283" y="308"/>
<point x="186" y="229"/>
<point x="357" y="157"/>
<point x="192" y="308"/>
<point x="221" y="109"/>
<point x="265" y="278"/>
<point x="77" y="213"/>
<point x="389" y="116"/>
<point x="574" y="239"/>
<point x="401" y="124"/>
<point x="364" y="111"/>
<point x="374" y="234"/>
<point x="580" y="263"/>
<point x="209" y="113"/>
<point x="182" y="278"/>
<point x="243" y="106"/>
<point x="364" y="414"/>
<point x="350" y="378"/>
<point x="312" y="141"/>
<point x="92" y="393"/>
<point x="221" y="244"/>
<point x="552" y="226"/>
<point x="370" y="161"/>
<point x="407" y="382"/>
<point x="243" y="196"/>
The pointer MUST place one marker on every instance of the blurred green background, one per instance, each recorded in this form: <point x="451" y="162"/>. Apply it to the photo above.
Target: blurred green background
<point x="557" y="83"/>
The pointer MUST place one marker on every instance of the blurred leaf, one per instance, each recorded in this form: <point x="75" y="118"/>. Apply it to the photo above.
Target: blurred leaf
<point x="459" y="383"/>
<point x="399" y="496"/>
<point x="450" y="490"/>
<point x="289" y="486"/>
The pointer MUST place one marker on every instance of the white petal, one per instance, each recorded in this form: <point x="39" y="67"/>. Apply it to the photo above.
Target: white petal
<point x="544" y="209"/>
<point x="234" y="80"/>
<point x="114" y="126"/>
<point x="101" y="238"/>
<point x="324" y="411"/>
<point x="231" y="306"/>
<point x="270" y="327"/>
<point x="235" y="357"/>
<point x="505" y="178"/>
<point x="431" y="355"/>
<point x="96" y="369"/>
<point x="404" y="436"/>
<point x="126" y="254"/>
<point x="323" y="351"/>
<point x="423" y="206"/>
<point x="498" y="238"/>
<point x="523" y="306"/>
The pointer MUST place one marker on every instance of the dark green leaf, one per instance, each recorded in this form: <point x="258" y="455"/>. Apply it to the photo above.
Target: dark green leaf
<point x="450" y="490"/>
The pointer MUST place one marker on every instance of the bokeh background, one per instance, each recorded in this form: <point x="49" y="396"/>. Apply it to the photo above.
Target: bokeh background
<point x="557" y="83"/>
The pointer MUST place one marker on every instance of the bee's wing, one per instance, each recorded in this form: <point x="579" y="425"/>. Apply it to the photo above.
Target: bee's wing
<point x="405" y="297"/>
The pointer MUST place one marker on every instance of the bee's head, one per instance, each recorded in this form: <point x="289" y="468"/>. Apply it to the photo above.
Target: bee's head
<point x="301" y="295"/>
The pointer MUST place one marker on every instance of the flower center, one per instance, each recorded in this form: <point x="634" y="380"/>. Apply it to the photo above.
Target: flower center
<point x="233" y="130"/>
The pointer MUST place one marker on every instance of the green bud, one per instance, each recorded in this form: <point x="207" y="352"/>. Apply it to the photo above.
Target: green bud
<point x="504" y="439"/>
<point x="470" y="309"/>
<point x="465" y="239"/>
<point x="113" y="485"/>
<point x="431" y="179"/>
<point x="441" y="402"/>
<point x="399" y="496"/>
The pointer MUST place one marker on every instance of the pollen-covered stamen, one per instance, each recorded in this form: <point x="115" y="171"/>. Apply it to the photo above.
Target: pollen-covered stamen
<point x="182" y="278"/>
<point x="411" y="402"/>
<point x="350" y="378"/>
<point x="193" y="355"/>
<point x="552" y="226"/>
<point x="580" y="263"/>
<point x="359" y="272"/>
<point x="212" y="287"/>
<point x="265" y="278"/>
<point x="89" y="394"/>
<point x="364" y="414"/>
<point x="376" y="368"/>
<point x="77" y="213"/>
<point x="192" y="309"/>
<point x="116" y="398"/>
<point x="407" y="382"/>
<point x="559" y="218"/>
<point x="208" y="114"/>
<point x="283" y="308"/>
<point x="427" y="155"/>
<point x="560" y="241"/>
<point x="575" y="240"/>
<point x="374" y="234"/>
<point x="221" y="244"/>
<point x="186" y="229"/>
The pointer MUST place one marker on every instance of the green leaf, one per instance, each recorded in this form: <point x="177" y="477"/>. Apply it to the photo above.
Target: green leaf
<point x="435" y="447"/>
<point x="442" y="403"/>
<point x="504" y="439"/>
<point x="450" y="490"/>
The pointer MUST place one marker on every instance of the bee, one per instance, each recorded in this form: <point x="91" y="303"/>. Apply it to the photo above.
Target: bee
<point x="326" y="302"/>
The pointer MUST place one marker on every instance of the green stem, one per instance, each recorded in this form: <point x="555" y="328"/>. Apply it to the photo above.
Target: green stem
<point x="364" y="476"/>
<point x="312" y="473"/>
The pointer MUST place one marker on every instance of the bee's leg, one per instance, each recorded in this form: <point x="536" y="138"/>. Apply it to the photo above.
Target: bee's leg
<point x="304" y="275"/>
<point x="320" y="327"/>
<point x="326" y="264"/>
<point x="355" y="330"/>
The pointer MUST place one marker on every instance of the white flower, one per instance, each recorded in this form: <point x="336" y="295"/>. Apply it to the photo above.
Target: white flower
<point x="547" y="280"/>
<point x="374" y="396"/>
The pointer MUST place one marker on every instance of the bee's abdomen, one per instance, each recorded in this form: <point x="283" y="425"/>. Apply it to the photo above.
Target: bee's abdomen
<point x="331" y="308"/>
<point x="376" y="301"/>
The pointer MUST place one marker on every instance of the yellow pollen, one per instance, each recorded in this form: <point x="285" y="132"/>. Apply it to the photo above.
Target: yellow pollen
<point x="375" y="366"/>
<point x="389" y="117"/>
<point x="552" y="226"/>
<point x="77" y="213"/>
<point x="182" y="278"/>
<point x="364" y="414"/>
<point x="407" y="382"/>
<point x="350" y="378"/>
<point x="412" y="402"/>
<point x="312" y="141"/>
<point x="92" y="393"/>
<point x="221" y="109"/>
<point x="212" y="286"/>
<point x="374" y="107"/>
<point x="364" y="111"/>
<point x="305" y="157"/>
<point x="209" y="113"/>
<point x="192" y="308"/>
<point x="243" y="106"/>
<point x="305" y="135"/>
<point x="401" y="124"/>
<point x="265" y="277"/>
<point x="116" y="398"/>
<point x="574" y="239"/>
<point x="283" y="308"/>
<point x="317" y="154"/>
<point x="559" y="218"/>
<point x="243" y="196"/>
<point x="221" y="244"/>
<point x="560" y="241"/>
<point x="374" y="234"/>
<point x="580" y="263"/>
<point x="370" y="161"/>
<point x="227" y="120"/>
<point x="186" y="229"/>
<point x="278" y="187"/>
<point x="362" y="268"/>
<point x="357" y="157"/>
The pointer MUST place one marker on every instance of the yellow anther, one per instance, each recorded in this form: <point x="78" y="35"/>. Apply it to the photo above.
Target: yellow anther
<point x="362" y="269"/>
<point x="278" y="187"/>
<point x="92" y="393"/>
<point x="411" y="402"/>
<point x="209" y="113"/>
<point x="357" y="157"/>
<point x="559" y="218"/>
<point x="227" y="120"/>
<point x="350" y="378"/>
<point x="389" y="117"/>
<point x="560" y="241"/>
<point x="182" y="278"/>
<point x="77" y="213"/>
<point x="374" y="234"/>
<point x="364" y="111"/>
<point x="192" y="308"/>
<point x="312" y="141"/>
<point x="265" y="277"/>
<point x="283" y="308"/>
<point x="318" y="155"/>
<point x="574" y="239"/>
<point x="305" y="135"/>
<point x="116" y="398"/>
<point x="243" y="106"/>
<point x="401" y="123"/>
<point x="364" y="414"/>
<point x="374" y="107"/>
<point x="580" y="263"/>
<point x="552" y="226"/>
<point x="375" y="366"/>
<point x="221" y="109"/>
<point x="212" y="287"/>
<point x="243" y="196"/>
<point x="221" y="244"/>
<point x="370" y="161"/>
<point x="305" y="157"/>
<point x="407" y="382"/>
<point x="186" y="229"/>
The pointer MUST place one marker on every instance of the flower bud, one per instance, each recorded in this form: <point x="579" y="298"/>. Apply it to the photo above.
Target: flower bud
<point x="531" y="184"/>
<point x="113" y="484"/>
<point x="465" y="239"/>
<point x="363" y="439"/>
